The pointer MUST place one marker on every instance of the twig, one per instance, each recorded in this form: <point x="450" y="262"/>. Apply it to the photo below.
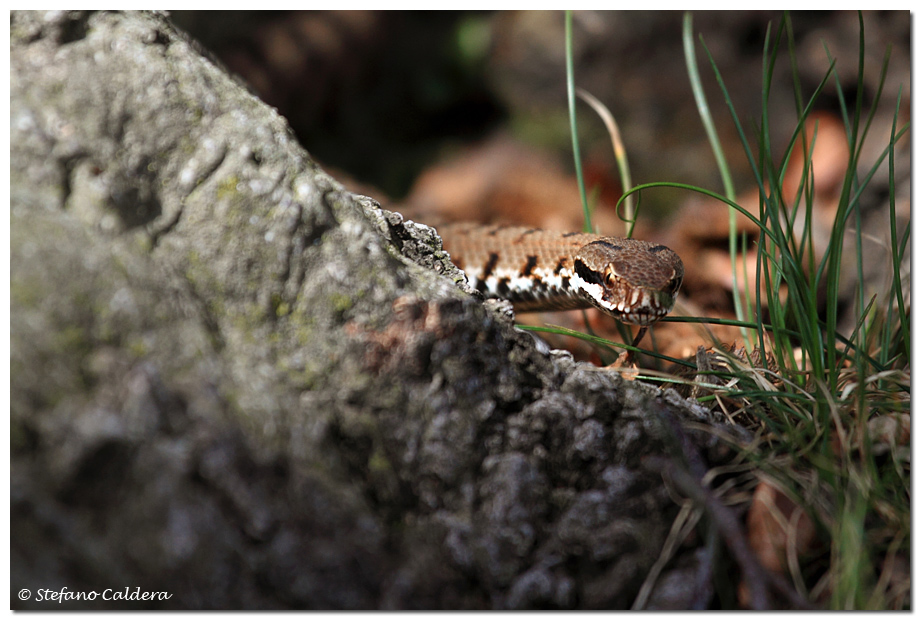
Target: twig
<point x="688" y="480"/>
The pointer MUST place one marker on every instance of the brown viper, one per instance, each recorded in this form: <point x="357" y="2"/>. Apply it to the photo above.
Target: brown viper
<point x="634" y="281"/>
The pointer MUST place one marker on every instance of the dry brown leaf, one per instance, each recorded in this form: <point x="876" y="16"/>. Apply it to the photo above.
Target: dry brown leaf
<point x="777" y="529"/>
<point x="829" y="158"/>
<point x="504" y="181"/>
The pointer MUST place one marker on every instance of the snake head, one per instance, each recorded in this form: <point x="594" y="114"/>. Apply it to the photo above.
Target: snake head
<point x="635" y="281"/>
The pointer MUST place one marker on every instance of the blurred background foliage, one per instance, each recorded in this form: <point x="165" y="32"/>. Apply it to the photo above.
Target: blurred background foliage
<point x="381" y="95"/>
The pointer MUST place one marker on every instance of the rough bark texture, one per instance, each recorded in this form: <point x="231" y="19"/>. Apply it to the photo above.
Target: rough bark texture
<point x="235" y="382"/>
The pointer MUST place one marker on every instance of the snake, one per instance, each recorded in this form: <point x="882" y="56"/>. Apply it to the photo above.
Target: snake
<point x="634" y="281"/>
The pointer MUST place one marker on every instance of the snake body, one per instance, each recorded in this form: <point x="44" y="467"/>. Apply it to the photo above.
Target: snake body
<point x="634" y="281"/>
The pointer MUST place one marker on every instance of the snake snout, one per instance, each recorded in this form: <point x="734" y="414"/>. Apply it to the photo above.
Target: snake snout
<point x="642" y="306"/>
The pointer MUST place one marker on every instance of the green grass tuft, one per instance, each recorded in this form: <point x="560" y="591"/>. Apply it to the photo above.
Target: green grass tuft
<point x="829" y="392"/>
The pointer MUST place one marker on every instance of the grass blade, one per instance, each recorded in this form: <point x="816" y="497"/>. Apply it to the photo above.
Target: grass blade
<point x="573" y="122"/>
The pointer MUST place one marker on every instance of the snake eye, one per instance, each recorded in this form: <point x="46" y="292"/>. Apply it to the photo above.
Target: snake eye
<point x="674" y="286"/>
<point x="608" y="277"/>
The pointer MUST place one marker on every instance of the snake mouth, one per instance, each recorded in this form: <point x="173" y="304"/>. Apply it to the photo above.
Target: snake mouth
<point x="645" y="311"/>
<point x="639" y="316"/>
<point x="629" y="304"/>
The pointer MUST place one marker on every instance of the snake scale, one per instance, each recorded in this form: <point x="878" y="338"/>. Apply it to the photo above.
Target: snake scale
<point x="634" y="281"/>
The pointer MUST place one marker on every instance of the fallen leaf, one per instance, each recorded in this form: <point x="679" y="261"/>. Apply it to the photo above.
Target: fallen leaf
<point x="777" y="528"/>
